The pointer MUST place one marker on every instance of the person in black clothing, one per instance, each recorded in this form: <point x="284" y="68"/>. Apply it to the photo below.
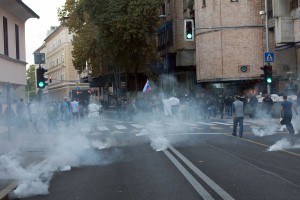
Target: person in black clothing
<point x="228" y="105"/>
<point x="298" y="101"/>
<point x="267" y="104"/>
<point x="287" y="114"/>
<point x="221" y="105"/>
<point x="253" y="101"/>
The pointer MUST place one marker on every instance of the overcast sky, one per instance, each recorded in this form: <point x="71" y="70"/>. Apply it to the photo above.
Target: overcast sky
<point x="36" y="29"/>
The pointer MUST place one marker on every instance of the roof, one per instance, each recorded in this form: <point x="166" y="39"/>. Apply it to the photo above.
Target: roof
<point x="19" y="9"/>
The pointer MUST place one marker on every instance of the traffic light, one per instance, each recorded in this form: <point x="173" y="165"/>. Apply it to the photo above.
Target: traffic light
<point x="268" y="72"/>
<point x="189" y="30"/>
<point x="40" y="79"/>
<point x="267" y="75"/>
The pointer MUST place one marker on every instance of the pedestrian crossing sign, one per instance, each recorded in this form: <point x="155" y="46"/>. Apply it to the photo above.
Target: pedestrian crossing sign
<point x="269" y="57"/>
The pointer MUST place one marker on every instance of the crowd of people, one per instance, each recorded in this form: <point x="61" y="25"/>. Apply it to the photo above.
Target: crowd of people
<point x="203" y="106"/>
<point x="54" y="112"/>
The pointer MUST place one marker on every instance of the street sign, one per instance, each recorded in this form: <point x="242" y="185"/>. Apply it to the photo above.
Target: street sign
<point x="269" y="57"/>
<point x="77" y="88"/>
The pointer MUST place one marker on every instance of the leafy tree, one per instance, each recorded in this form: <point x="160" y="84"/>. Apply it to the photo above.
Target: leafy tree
<point x="119" y="32"/>
<point x="31" y="82"/>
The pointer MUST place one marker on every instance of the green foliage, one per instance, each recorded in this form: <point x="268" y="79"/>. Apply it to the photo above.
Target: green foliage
<point x="118" y="32"/>
<point x="31" y="86"/>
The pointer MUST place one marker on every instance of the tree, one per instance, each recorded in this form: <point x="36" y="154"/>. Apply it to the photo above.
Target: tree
<point x="116" y="32"/>
<point x="31" y="86"/>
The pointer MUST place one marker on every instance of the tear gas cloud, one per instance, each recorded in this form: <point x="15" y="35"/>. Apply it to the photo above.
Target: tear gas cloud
<point x="64" y="147"/>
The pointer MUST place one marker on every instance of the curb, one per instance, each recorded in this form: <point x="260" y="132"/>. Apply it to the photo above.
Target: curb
<point x="4" y="194"/>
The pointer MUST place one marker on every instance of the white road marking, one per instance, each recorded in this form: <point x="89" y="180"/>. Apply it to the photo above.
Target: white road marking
<point x="203" y="176"/>
<point x="221" y="123"/>
<point x="137" y="126"/>
<point x="204" y="123"/>
<point x="120" y="127"/>
<point x="102" y="128"/>
<point x="199" y="188"/>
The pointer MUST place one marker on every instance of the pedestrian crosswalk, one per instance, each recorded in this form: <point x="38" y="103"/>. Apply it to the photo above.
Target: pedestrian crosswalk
<point x="215" y="125"/>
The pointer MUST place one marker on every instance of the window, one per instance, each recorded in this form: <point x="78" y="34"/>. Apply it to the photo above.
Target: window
<point x="294" y="4"/>
<point x="5" y="35"/>
<point x="17" y="42"/>
<point x="203" y="3"/>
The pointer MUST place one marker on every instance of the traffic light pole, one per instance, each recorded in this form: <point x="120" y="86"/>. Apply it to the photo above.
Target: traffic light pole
<point x="267" y="39"/>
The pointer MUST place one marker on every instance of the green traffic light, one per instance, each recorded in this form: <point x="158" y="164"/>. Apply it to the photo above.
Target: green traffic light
<point x="189" y="36"/>
<point x="269" y="80"/>
<point x="41" y="84"/>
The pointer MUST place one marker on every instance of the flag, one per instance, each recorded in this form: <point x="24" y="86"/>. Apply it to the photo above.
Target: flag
<point x="147" y="87"/>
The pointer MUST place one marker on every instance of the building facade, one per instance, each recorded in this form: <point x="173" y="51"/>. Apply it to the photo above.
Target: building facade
<point x="13" y="15"/>
<point x="63" y="79"/>
<point x="230" y="41"/>
<point x="286" y="24"/>
<point x="178" y="71"/>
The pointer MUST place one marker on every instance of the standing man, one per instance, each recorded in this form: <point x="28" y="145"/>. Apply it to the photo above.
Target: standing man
<point x="21" y="113"/>
<point x="268" y="104"/>
<point x="253" y="101"/>
<point x="238" y="116"/>
<point x="75" y="110"/>
<point x="298" y="101"/>
<point x="287" y="114"/>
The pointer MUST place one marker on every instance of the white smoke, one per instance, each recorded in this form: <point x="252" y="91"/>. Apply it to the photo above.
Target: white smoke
<point x="60" y="151"/>
<point x="284" y="144"/>
<point x="265" y="131"/>
<point x="159" y="143"/>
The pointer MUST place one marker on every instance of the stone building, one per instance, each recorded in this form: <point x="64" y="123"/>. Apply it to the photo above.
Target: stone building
<point x="13" y="15"/>
<point x="65" y="81"/>
<point x="286" y="24"/>
<point x="230" y="42"/>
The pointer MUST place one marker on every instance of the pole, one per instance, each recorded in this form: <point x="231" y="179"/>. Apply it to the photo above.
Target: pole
<point x="8" y="109"/>
<point x="267" y="39"/>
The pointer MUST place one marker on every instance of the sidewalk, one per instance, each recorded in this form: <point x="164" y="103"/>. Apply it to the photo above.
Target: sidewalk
<point x="6" y="185"/>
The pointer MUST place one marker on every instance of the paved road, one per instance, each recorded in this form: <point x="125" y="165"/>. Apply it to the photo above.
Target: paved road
<point x="202" y="161"/>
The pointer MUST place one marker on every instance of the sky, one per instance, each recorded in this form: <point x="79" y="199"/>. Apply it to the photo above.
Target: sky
<point x="36" y="29"/>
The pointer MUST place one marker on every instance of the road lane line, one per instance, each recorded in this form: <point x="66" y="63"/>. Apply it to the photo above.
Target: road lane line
<point x="204" y="123"/>
<point x="261" y="144"/>
<point x="198" y="187"/>
<point x="205" y="178"/>
<point x="221" y="123"/>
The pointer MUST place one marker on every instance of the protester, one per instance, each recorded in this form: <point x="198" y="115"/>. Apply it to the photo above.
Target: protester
<point x="221" y="105"/>
<point x="21" y="108"/>
<point x="298" y="101"/>
<point x="75" y="110"/>
<point x="93" y="115"/>
<point x="253" y="101"/>
<point x="66" y="111"/>
<point x="268" y="104"/>
<point x="33" y="113"/>
<point x="287" y="114"/>
<point x="238" y="116"/>
<point x="131" y="109"/>
<point x="228" y="106"/>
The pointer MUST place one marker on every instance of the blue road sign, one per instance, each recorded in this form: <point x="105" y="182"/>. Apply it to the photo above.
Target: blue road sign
<point x="269" y="57"/>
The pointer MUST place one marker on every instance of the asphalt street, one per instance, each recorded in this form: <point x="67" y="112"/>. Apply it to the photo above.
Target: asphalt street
<point x="179" y="159"/>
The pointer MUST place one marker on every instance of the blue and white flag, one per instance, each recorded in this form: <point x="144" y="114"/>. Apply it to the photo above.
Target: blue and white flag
<point x="147" y="87"/>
